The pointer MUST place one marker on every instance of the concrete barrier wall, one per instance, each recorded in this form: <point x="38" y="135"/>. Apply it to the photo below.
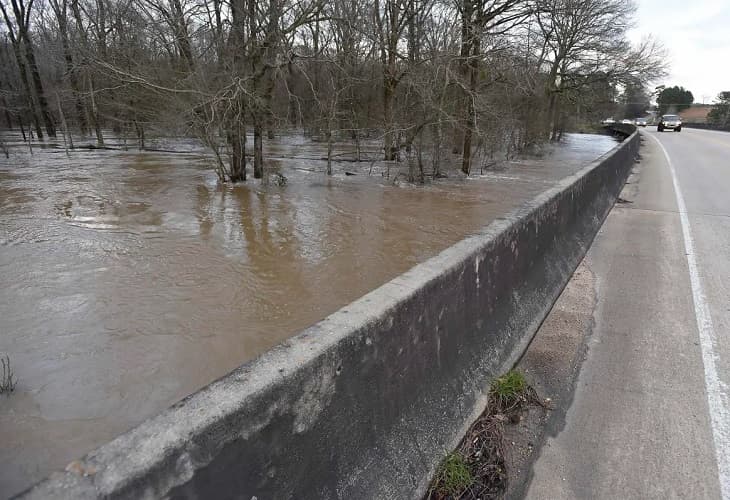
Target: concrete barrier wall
<point x="366" y="403"/>
<point x="706" y="126"/>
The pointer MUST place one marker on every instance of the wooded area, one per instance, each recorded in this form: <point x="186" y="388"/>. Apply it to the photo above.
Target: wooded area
<point x="430" y="79"/>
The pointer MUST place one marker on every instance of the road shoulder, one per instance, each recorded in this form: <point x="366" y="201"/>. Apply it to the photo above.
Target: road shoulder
<point x="631" y="421"/>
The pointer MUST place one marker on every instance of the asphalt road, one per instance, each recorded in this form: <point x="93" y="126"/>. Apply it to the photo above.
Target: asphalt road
<point x="650" y="417"/>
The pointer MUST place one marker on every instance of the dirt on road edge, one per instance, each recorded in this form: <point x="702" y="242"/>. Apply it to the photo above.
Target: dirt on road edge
<point x="551" y="365"/>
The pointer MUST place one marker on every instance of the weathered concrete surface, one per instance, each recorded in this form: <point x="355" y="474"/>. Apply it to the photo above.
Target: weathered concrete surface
<point x="365" y="403"/>
<point x="639" y="424"/>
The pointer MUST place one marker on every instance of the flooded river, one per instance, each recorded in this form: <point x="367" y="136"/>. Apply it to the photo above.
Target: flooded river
<point x="131" y="279"/>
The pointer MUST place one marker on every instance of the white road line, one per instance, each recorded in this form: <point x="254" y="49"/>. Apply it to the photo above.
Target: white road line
<point x="717" y="393"/>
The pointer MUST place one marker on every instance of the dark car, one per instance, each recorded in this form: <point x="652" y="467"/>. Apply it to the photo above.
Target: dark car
<point x="671" y="122"/>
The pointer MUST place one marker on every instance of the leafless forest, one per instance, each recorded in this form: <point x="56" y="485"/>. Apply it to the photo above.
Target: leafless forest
<point x="429" y="81"/>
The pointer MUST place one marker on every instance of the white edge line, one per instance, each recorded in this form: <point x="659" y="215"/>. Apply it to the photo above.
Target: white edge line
<point x="717" y="396"/>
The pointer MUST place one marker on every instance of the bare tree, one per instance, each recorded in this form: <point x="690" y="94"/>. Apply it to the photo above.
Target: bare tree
<point x="481" y="18"/>
<point x="460" y="83"/>
<point x="22" y="71"/>
<point x="584" y="41"/>
<point x="21" y="34"/>
<point x="391" y="21"/>
<point x="60" y="9"/>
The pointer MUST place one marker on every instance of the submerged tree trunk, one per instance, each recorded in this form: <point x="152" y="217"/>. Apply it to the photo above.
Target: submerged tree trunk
<point x="22" y="129"/>
<point x="139" y="130"/>
<point x="329" y="152"/>
<point x="552" y="116"/>
<point x="356" y="137"/>
<point x="67" y="138"/>
<point x="237" y="141"/>
<point x="8" y="118"/>
<point x="235" y="127"/>
<point x="468" y="134"/>
<point x="95" y="115"/>
<point x="390" y="22"/>
<point x="258" y="150"/>
<point x="436" y="157"/>
<point x="419" y="155"/>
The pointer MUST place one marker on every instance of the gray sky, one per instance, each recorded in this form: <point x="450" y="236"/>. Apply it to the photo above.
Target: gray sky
<point x="696" y="34"/>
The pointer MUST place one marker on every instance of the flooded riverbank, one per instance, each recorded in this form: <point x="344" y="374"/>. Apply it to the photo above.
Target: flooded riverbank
<point x="131" y="279"/>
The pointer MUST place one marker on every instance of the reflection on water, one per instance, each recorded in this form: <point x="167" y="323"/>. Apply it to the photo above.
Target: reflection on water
<point x="131" y="279"/>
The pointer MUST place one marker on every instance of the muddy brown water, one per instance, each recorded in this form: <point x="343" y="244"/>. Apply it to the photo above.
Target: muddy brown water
<point x="131" y="279"/>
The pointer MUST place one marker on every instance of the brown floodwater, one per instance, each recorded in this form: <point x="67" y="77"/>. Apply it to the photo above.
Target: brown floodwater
<point x="130" y="279"/>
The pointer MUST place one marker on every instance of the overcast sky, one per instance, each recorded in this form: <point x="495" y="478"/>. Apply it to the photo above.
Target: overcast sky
<point x="696" y="34"/>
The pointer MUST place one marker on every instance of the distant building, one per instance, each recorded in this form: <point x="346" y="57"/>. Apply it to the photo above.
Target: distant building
<point x="696" y="114"/>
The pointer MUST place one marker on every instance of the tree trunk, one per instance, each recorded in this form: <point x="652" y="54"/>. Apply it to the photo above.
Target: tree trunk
<point x="237" y="141"/>
<point x="419" y="155"/>
<point x="258" y="150"/>
<point x="219" y="27"/>
<point x="329" y="149"/>
<point x="74" y="80"/>
<point x="71" y="73"/>
<point x="22" y="128"/>
<point x="4" y="102"/>
<point x="101" y="30"/>
<point x="180" y="30"/>
<point x="465" y="53"/>
<point x="16" y="42"/>
<point x="268" y="91"/>
<point x="86" y="117"/>
<point x="67" y="139"/>
<point x="38" y="86"/>
<point x="389" y="138"/>
<point x="470" y="125"/>
<point x="468" y="133"/>
<point x="356" y="137"/>
<point x="26" y="88"/>
<point x="436" y="158"/>
<point x="8" y="118"/>
<point x="411" y="167"/>
<point x="139" y="129"/>
<point x="95" y="115"/>
<point x="552" y="119"/>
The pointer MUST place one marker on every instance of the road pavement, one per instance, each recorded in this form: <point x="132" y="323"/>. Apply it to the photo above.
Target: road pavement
<point x="650" y="417"/>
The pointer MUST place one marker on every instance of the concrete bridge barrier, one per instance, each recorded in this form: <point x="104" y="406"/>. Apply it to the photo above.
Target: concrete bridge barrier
<point x="365" y="403"/>
<point x="707" y="126"/>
